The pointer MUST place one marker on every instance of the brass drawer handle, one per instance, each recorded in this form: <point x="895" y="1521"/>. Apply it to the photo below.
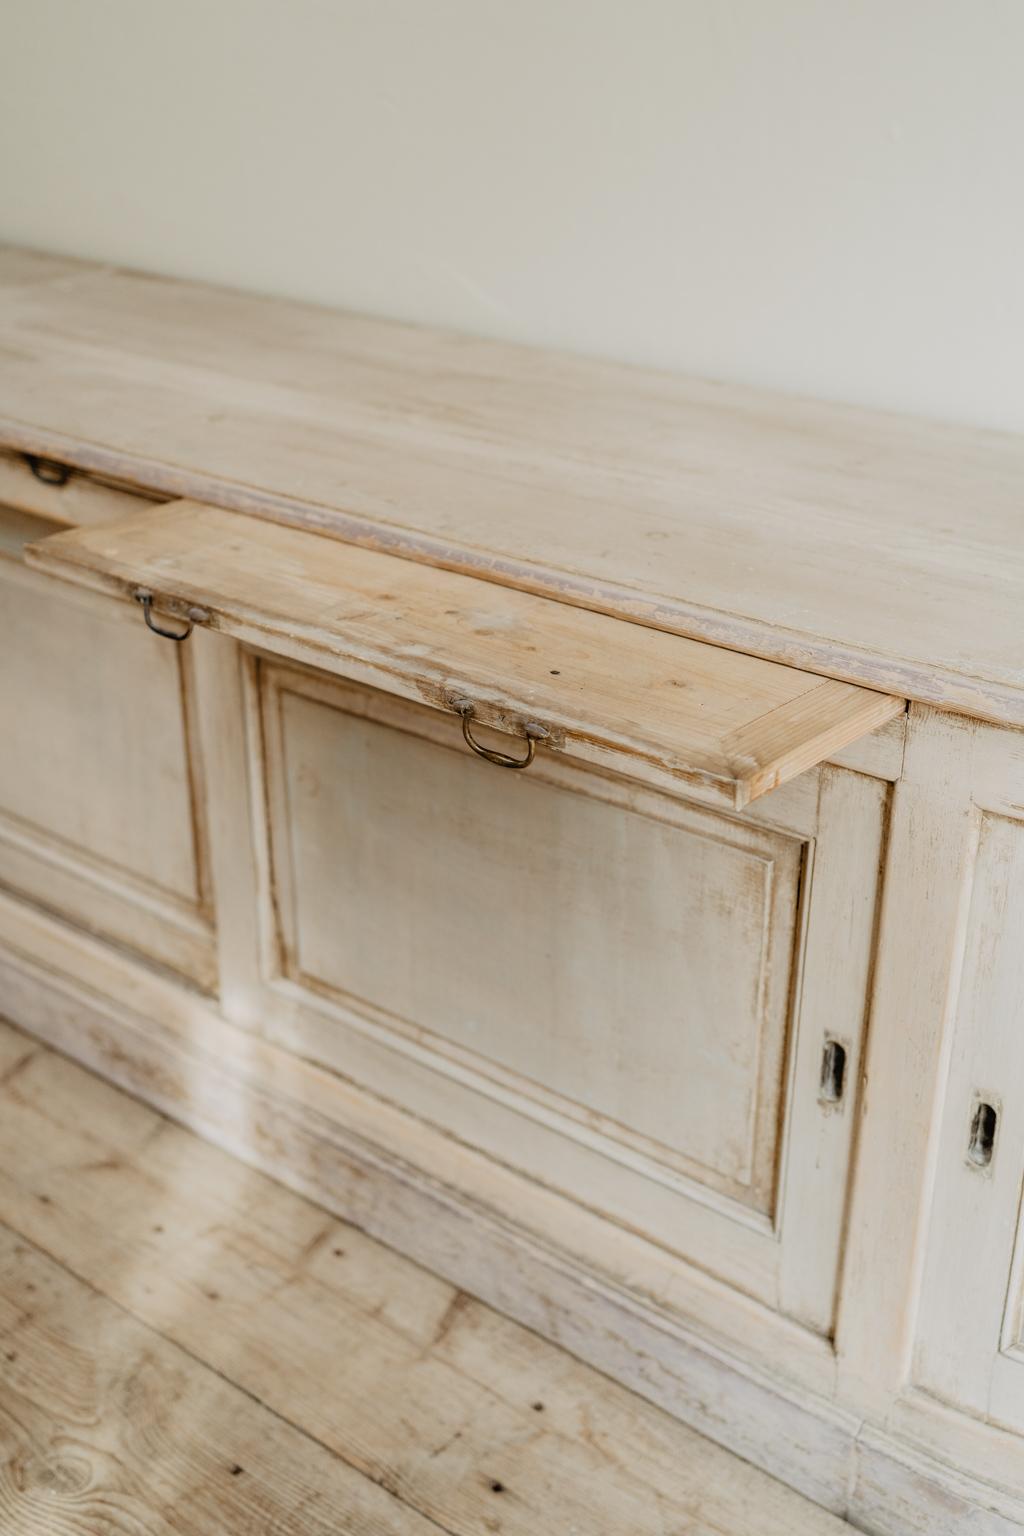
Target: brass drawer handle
<point x="502" y="759"/>
<point x="195" y="616"/>
<point x="48" y="471"/>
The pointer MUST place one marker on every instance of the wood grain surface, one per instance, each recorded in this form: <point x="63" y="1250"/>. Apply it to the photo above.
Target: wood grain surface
<point x="864" y="546"/>
<point x="187" y="1347"/>
<point x="732" y="725"/>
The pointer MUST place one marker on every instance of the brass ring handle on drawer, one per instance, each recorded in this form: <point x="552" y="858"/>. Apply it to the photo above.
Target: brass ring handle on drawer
<point x="502" y="759"/>
<point x="195" y="616"/>
<point x="48" y="470"/>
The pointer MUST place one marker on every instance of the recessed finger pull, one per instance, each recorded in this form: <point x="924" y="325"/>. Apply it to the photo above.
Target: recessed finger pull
<point x="194" y="616"/>
<point x="531" y="732"/>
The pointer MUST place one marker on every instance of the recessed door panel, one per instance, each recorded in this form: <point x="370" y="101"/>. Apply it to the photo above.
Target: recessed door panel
<point x="622" y="994"/>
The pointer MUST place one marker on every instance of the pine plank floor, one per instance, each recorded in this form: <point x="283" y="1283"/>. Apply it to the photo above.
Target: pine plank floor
<point x="186" y="1347"/>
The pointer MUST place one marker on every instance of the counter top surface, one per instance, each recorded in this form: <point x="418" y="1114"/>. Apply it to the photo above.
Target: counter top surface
<point x="868" y="547"/>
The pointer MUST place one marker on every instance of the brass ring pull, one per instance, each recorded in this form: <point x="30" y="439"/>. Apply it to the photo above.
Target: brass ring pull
<point x="195" y="616"/>
<point x="48" y="470"/>
<point x="502" y="759"/>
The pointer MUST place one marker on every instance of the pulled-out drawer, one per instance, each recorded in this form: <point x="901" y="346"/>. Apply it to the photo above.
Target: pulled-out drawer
<point x="728" y="726"/>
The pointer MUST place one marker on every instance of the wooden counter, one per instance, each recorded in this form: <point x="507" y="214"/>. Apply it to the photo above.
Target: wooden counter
<point x="869" y="547"/>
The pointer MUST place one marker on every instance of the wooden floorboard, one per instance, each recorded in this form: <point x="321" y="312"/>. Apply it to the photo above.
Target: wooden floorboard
<point x="105" y="1426"/>
<point x="168" y="1315"/>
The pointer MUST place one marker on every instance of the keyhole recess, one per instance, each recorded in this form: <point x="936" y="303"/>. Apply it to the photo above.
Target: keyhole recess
<point x="982" y="1141"/>
<point x="833" y="1072"/>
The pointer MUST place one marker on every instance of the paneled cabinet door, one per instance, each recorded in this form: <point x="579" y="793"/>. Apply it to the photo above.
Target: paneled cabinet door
<point x="653" y="1007"/>
<point x="970" y="1347"/>
<point x="100" y="818"/>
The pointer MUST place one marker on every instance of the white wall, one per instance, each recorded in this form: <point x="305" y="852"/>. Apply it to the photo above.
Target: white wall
<point x="818" y="195"/>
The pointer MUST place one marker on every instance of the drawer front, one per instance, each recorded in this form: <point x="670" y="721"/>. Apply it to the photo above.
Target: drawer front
<point x="99" y="819"/>
<point x="601" y="984"/>
<point x="63" y="495"/>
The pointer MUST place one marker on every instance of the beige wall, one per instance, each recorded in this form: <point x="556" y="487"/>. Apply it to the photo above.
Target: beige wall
<point x="819" y="195"/>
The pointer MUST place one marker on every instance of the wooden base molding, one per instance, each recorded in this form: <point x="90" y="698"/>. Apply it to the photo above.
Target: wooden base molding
<point x="288" y="1119"/>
